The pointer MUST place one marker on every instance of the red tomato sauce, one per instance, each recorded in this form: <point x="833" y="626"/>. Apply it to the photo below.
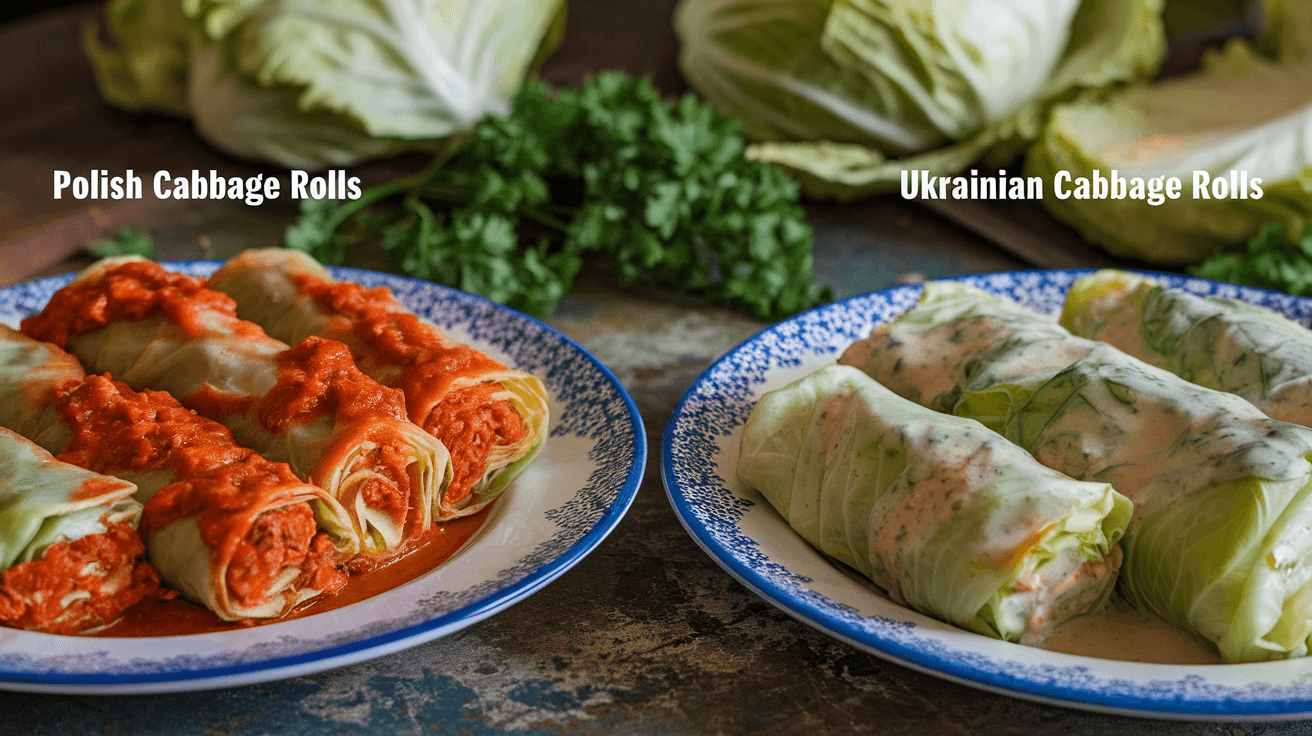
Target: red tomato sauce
<point x="33" y="594"/>
<point x="470" y="421"/>
<point x="315" y="379"/>
<point x="178" y="617"/>
<point x="97" y="487"/>
<point x="393" y="334"/>
<point x="214" y="403"/>
<point x="131" y="291"/>
<point x="319" y="377"/>
<point x="228" y="488"/>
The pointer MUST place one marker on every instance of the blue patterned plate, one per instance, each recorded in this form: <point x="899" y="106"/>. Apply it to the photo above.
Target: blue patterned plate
<point x="570" y="497"/>
<point x="740" y="530"/>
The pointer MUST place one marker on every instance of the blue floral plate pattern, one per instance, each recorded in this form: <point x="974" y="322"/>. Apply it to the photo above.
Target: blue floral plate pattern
<point x="563" y="505"/>
<point x="740" y="530"/>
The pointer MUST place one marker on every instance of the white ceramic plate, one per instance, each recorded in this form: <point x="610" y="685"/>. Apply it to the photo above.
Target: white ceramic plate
<point x="740" y="530"/>
<point x="570" y="497"/>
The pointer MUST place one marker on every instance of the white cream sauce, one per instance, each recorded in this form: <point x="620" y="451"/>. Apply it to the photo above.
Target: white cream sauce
<point x="1119" y="631"/>
<point x="1117" y="318"/>
<point x="1155" y="438"/>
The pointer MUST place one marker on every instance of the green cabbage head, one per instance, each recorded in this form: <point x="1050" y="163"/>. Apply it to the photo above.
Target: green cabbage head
<point x="317" y="83"/>
<point x="848" y="93"/>
<point x="1241" y="113"/>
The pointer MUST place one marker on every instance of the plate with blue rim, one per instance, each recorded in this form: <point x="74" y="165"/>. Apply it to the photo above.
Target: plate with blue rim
<point x="557" y="511"/>
<point x="739" y="529"/>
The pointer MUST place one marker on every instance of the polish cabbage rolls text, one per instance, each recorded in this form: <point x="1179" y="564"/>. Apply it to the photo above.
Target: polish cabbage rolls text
<point x="945" y="515"/>
<point x="1219" y="543"/>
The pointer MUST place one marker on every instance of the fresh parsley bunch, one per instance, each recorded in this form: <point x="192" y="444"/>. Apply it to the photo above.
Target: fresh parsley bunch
<point x="661" y="191"/>
<point x="1269" y="262"/>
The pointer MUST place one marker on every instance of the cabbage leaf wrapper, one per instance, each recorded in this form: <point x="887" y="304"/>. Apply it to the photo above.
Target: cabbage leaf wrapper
<point x="1223" y="344"/>
<point x="70" y="555"/>
<point x="30" y="373"/>
<point x="947" y="516"/>
<point x="308" y="406"/>
<point x="492" y="419"/>
<point x="1219" y="543"/>
<point x="222" y="525"/>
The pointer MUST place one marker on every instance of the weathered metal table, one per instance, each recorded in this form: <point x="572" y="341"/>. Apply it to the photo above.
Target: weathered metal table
<point x="647" y="634"/>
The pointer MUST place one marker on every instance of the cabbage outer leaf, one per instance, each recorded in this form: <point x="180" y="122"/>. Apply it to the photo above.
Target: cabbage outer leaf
<point x="400" y="68"/>
<point x="44" y="501"/>
<point x="847" y="93"/>
<point x="316" y="83"/>
<point x="148" y="69"/>
<point x="1241" y="112"/>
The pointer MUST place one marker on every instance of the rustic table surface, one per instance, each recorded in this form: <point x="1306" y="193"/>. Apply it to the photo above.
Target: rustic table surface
<point x="645" y="635"/>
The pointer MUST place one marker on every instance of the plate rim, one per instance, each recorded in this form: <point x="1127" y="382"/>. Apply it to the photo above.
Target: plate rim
<point x="1168" y="706"/>
<point x="374" y="645"/>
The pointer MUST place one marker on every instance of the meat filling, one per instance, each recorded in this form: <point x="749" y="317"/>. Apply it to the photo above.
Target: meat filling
<point x="470" y="422"/>
<point x="279" y="539"/>
<point x="67" y="590"/>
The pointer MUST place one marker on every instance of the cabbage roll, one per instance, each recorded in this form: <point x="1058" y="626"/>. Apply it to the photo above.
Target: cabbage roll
<point x="30" y="372"/>
<point x="308" y="406"/>
<point x="924" y="354"/>
<point x="947" y="516"/>
<point x="69" y="549"/>
<point x="1219" y="543"/>
<point x="1220" y="343"/>
<point x="230" y="530"/>
<point x="491" y="418"/>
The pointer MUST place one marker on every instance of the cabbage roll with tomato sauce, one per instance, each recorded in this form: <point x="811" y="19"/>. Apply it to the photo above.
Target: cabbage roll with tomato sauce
<point x="70" y="554"/>
<point x="308" y="406"/>
<point x="947" y="516"/>
<point x="1223" y="344"/>
<point x="1219" y="542"/>
<point x="230" y="530"/>
<point x="492" y="419"/>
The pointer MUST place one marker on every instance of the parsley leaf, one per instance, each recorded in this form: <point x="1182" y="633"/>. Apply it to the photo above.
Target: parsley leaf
<point x="1268" y="262"/>
<point x="660" y="191"/>
<point x="125" y="242"/>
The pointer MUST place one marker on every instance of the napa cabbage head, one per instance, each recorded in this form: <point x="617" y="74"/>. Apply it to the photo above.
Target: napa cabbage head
<point x="1241" y="112"/>
<point x="847" y="93"/>
<point x="316" y="83"/>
